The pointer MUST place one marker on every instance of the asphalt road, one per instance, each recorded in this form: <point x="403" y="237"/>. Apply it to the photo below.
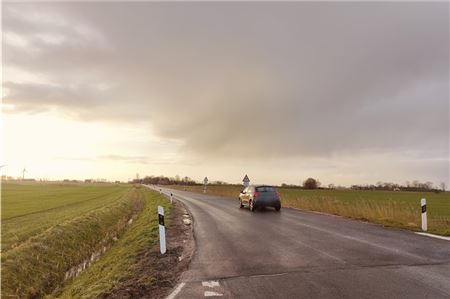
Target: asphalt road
<point x="298" y="254"/>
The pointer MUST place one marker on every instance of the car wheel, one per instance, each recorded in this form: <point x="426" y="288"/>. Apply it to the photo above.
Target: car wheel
<point x="277" y="208"/>
<point x="251" y="206"/>
<point x="240" y="204"/>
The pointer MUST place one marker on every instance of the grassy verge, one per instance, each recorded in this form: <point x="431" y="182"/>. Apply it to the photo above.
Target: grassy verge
<point x="38" y="264"/>
<point x="120" y="261"/>
<point x="29" y="209"/>
<point x="396" y="209"/>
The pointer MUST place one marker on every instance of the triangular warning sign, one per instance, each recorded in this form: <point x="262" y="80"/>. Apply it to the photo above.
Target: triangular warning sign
<point x="246" y="179"/>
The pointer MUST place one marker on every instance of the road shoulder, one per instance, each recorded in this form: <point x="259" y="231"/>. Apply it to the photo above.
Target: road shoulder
<point x="155" y="274"/>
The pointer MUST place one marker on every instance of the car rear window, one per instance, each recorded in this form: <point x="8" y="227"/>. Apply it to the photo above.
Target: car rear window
<point x="265" y="189"/>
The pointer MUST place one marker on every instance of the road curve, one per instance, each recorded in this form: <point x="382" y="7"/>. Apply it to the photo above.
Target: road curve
<point x="299" y="254"/>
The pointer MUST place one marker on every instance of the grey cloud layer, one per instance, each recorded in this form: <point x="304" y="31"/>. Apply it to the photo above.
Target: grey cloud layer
<point x="299" y="78"/>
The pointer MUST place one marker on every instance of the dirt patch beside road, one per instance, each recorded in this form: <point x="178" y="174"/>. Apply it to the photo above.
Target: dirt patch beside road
<point x="156" y="274"/>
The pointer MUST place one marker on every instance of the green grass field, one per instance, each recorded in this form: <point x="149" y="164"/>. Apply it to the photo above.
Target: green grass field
<point x="390" y="208"/>
<point x="49" y="229"/>
<point x="29" y="209"/>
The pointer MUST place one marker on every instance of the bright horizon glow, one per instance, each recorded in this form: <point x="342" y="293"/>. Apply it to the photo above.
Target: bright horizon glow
<point x="55" y="148"/>
<point x="52" y="147"/>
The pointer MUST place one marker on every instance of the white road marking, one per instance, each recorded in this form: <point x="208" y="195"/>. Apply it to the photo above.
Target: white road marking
<point x="212" y="294"/>
<point x="434" y="236"/>
<point x="210" y="284"/>
<point x="176" y="291"/>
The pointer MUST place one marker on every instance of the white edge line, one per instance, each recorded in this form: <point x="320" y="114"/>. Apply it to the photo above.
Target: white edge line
<point x="176" y="291"/>
<point x="211" y="284"/>
<point x="212" y="294"/>
<point x="433" y="236"/>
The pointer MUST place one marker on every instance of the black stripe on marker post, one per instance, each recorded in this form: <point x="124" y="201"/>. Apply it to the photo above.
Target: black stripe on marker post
<point x="162" y="230"/>
<point x="423" y="204"/>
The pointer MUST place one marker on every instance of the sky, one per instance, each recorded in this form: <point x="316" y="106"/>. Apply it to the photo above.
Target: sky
<point x="345" y="92"/>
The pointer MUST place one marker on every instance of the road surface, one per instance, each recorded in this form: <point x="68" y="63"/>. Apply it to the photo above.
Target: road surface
<point x="298" y="254"/>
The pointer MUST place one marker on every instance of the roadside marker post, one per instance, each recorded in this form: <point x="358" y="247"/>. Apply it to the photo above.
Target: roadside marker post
<point x="205" y="182"/>
<point x="160" y="191"/>
<point x="171" y="198"/>
<point x="162" y="230"/>
<point x="423" y="204"/>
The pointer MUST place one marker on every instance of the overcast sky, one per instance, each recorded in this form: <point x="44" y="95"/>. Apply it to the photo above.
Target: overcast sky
<point x="344" y="92"/>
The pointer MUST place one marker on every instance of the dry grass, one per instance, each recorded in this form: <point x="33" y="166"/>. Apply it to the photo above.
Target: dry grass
<point x="389" y="213"/>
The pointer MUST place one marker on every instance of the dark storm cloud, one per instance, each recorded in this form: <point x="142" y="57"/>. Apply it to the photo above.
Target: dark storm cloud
<point x="233" y="79"/>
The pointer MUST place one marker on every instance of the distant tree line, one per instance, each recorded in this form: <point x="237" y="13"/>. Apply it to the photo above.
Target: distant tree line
<point x="309" y="183"/>
<point x="416" y="186"/>
<point x="162" y="180"/>
<point x="177" y="180"/>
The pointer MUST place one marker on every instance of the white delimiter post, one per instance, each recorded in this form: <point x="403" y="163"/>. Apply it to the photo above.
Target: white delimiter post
<point x="423" y="203"/>
<point x="162" y="230"/>
<point x="205" y="182"/>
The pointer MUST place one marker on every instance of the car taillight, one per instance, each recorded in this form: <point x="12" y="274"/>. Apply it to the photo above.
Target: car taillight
<point x="255" y="195"/>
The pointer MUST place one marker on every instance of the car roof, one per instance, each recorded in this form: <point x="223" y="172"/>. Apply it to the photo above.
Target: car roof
<point x="262" y="186"/>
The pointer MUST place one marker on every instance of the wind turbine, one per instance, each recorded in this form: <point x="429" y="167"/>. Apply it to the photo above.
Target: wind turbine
<point x="1" y="167"/>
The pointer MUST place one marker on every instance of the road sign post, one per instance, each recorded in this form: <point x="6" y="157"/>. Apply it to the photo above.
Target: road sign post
<point x="205" y="182"/>
<point x="246" y="181"/>
<point x="423" y="204"/>
<point x="162" y="230"/>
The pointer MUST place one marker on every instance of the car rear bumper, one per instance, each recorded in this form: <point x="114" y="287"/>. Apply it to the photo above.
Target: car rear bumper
<point x="267" y="202"/>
